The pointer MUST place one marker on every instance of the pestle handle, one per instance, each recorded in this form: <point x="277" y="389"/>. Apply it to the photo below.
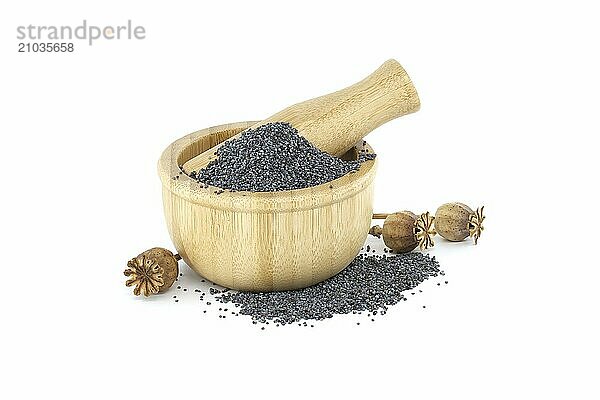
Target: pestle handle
<point x="337" y="121"/>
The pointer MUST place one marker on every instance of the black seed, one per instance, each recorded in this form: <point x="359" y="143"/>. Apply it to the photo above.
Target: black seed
<point x="369" y="284"/>
<point x="273" y="157"/>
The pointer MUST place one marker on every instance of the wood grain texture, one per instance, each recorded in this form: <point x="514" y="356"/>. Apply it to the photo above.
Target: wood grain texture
<point x="337" y="121"/>
<point x="264" y="241"/>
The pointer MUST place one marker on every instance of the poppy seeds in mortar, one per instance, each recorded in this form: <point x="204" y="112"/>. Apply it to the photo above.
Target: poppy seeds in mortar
<point x="271" y="158"/>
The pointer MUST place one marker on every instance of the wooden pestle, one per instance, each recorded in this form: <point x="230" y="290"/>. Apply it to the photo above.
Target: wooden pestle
<point x="337" y="121"/>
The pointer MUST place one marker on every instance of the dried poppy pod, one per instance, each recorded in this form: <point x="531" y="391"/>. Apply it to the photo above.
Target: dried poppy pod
<point x="152" y="271"/>
<point x="404" y="231"/>
<point x="457" y="221"/>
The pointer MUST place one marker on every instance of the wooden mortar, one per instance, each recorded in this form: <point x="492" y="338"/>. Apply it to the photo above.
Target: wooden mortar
<point x="264" y="241"/>
<point x="289" y="239"/>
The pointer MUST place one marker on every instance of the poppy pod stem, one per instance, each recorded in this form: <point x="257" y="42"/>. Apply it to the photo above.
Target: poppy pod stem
<point x="380" y="216"/>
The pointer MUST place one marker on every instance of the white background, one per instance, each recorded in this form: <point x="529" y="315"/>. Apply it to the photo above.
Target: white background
<point x="509" y="119"/>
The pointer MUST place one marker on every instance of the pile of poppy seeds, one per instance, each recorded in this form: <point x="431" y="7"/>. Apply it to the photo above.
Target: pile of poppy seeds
<point x="370" y="283"/>
<point x="272" y="158"/>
